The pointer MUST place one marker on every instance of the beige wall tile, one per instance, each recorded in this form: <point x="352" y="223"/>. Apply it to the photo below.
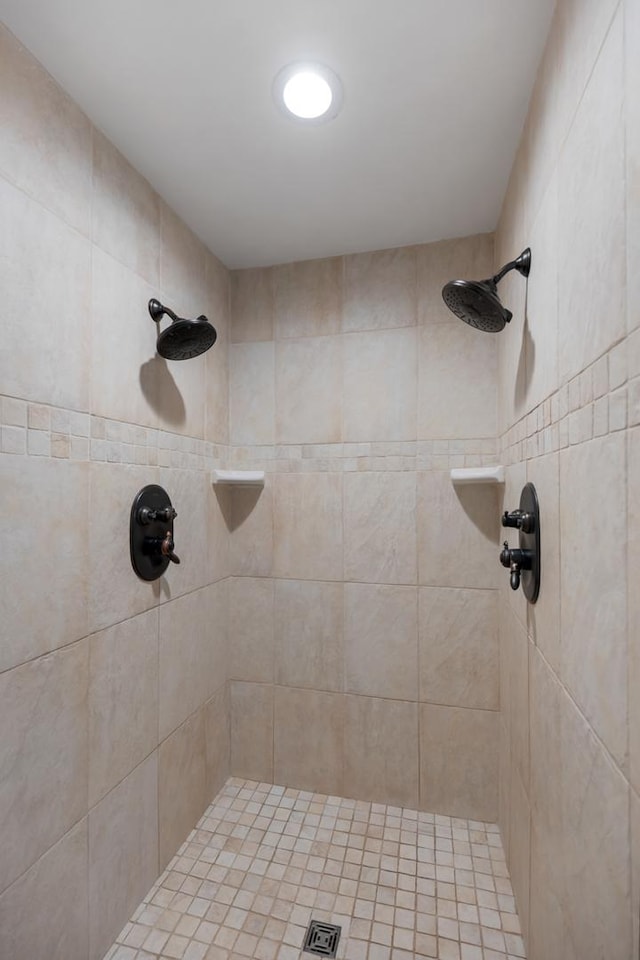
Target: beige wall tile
<point x="218" y="740"/>
<point x="458" y="533"/>
<point x="308" y="298"/>
<point x="595" y="849"/>
<point x="182" y="784"/>
<point x="46" y="328"/>
<point x="380" y="289"/>
<point x="544" y="615"/>
<point x="185" y="659"/>
<point x="504" y="783"/>
<point x="591" y="217"/>
<point x="547" y="914"/>
<point x="123" y="853"/>
<point x="43" y="755"/>
<point x="541" y="329"/>
<point x="461" y="782"/>
<point x="457" y="394"/>
<point x="593" y="585"/>
<point x="181" y="389"/>
<point x="309" y="390"/>
<point x="182" y="263"/>
<point x="252" y="731"/>
<point x="380" y="527"/>
<point x="458" y="652"/>
<point x="46" y="143"/>
<point x="217" y="359"/>
<point x="251" y="305"/>
<point x="251" y="613"/>
<point x="381" y="751"/>
<point x="53" y="895"/>
<point x="545" y="787"/>
<point x="217" y="606"/>
<point x="126" y="211"/>
<point x="308" y="526"/>
<point x="193" y="531"/>
<point x="123" y="700"/>
<point x="42" y="500"/>
<point x="381" y="640"/>
<point x="252" y="393"/>
<point x="380" y="377"/>
<point x="509" y="499"/>
<point x="633" y="605"/>
<point x="111" y="493"/>
<point x="465" y="258"/>
<point x="520" y="848"/>
<point x="124" y="351"/>
<point x="632" y="107"/>
<point x="309" y="740"/>
<point x="516" y="649"/>
<point x="635" y="866"/>
<point x="309" y="634"/>
<point x="251" y="531"/>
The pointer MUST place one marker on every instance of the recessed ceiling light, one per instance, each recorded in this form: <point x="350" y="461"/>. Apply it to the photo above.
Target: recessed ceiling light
<point x="308" y="92"/>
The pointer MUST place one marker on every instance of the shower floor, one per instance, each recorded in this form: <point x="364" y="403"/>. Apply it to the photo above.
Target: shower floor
<point x="265" y="860"/>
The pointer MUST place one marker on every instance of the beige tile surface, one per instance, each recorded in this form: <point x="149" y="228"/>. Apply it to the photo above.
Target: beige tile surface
<point x="309" y="619"/>
<point x="464" y="781"/>
<point x="123" y="700"/>
<point x="251" y="305"/>
<point x="252" y="393"/>
<point x="458" y="651"/>
<point x="633" y="605"/>
<point x="251" y="629"/>
<point x="251" y="728"/>
<point x="123" y="853"/>
<point x="541" y="330"/>
<point x="380" y="290"/>
<point x="381" y="750"/>
<point x="468" y="258"/>
<point x="251" y="531"/>
<point x="43" y="755"/>
<point x="308" y="739"/>
<point x="544" y="616"/>
<point x="37" y="496"/>
<point x="182" y="263"/>
<point x="520" y="848"/>
<point x="381" y="640"/>
<point x="309" y="390"/>
<point x="380" y="379"/>
<point x="632" y="108"/>
<point x="217" y="740"/>
<point x="59" y="930"/>
<point x="197" y="532"/>
<point x="380" y="527"/>
<point x="308" y="298"/>
<point x="307" y="526"/>
<point x="182" y="784"/>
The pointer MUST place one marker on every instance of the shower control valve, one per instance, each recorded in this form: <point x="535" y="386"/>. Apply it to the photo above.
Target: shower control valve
<point x="148" y="515"/>
<point x="166" y="548"/>
<point x="516" y="560"/>
<point x="519" y="519"/>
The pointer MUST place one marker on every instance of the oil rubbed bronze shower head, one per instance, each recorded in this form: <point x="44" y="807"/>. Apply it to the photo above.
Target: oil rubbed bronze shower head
<point x="477" y="301"/>
<point x="182" y="339"/>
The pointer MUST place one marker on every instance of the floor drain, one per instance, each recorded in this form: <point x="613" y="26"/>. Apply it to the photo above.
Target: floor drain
<point x="322" y="939"/>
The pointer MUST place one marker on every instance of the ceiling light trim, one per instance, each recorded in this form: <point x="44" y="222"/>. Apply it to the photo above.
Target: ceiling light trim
<point x="283" y="77"/>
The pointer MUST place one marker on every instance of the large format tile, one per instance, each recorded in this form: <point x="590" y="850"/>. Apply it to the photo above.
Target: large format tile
<point x="458" y="531"/>
<point x="198" y="532"/>
<point x="251" y="305"/>
<point x="309" y="390"/>
<point x="43" y="755"/>
<point x="544" y="615"/>
<point x="308" y="526"/>
<point x="308" y="739"/>
<point x="46" y="141"/>
<point x="308" y="298"/>
<point x="218" y="740"/>
<point x="457" y="393"/>
<point x="123" y="853"/>
<point x="632" y="108"/>
<point x="593" y="585"/>
<point x="251" y="531"/>
<point x="46" y="324"/>
<point x="592" y="260"/>
<point x="252" y="393"/>
<point x="45" y="502"/>
<point x="459" y="761"/>
<point x="251" y="730"/>
<point x="458" y="651"/>
<point x="251" y="633"/>
<point x="182" y="784"/>
<point x="381" y="751"/>
<point x="380" y="290"/>
<point x="309" y="634"/>
<point x="45" y="914"/>
<point x="520" y="848"/>
<point x="381" y="640"/>
<point x="633" y="606"/>
<point x="182" y="263"/>
<point x="541" y="330"/>
<point x="123" y="700"/>
<point x="380" y="379"/>
<point x="465" y="258"/>
<point x="380" y="527"/>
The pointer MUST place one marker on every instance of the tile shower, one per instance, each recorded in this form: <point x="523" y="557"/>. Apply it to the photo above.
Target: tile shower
<point x="346" y="634"/>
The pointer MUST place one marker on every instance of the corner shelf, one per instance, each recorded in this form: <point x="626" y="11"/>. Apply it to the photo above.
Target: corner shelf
<point x="238" y="478"/>
<point x="462" y="475"/>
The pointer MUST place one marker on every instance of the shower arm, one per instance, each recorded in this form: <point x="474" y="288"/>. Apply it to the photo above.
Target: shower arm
<point x="522" y="264"/>
<point x="158" y="310"/>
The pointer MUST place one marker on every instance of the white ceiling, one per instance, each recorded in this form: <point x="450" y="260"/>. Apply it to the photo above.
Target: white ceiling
<point x="435" y="94"/>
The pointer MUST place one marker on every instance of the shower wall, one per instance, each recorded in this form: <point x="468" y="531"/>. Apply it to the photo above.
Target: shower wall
<point x="570" y="422"/>
<point x="112" y="692"/>
<point x="363" y="614"/>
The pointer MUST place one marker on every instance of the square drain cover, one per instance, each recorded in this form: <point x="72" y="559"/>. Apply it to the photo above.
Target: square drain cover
<point x="322" y="939"/>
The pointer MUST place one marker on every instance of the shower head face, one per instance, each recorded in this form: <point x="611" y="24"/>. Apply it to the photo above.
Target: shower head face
<point x="477" y="303"/>
<point x="184" y="339"/>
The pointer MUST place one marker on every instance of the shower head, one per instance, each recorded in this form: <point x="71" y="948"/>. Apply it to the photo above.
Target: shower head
<point x="477" y="301"/>
<point x="183" y="339"/>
